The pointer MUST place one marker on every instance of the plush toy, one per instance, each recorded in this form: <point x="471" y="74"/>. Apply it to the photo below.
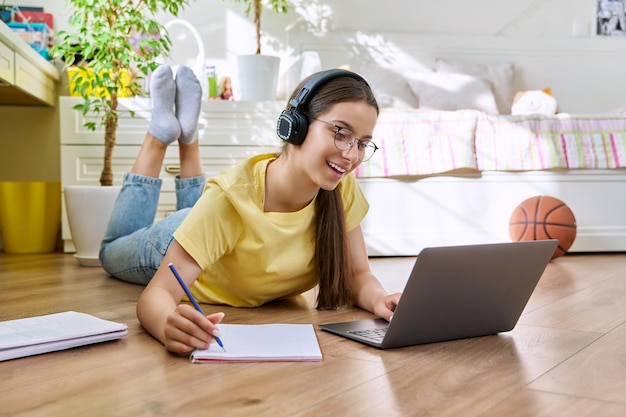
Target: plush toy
<point x="534" y="102"/>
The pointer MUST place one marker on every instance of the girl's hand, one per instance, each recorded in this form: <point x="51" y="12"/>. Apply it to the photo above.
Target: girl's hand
<point x="187" y="329"/>
<point x="385" y="306"/>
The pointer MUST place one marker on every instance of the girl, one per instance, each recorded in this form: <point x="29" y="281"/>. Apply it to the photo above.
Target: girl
<point x="275" y="226"/>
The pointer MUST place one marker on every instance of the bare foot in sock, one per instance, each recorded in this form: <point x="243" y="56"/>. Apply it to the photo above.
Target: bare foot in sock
<point x="188" y="103"/>
<point x="163" y="124"/>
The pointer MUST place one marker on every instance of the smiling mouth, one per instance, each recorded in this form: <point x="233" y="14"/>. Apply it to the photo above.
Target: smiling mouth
<point x="336" y="167"/>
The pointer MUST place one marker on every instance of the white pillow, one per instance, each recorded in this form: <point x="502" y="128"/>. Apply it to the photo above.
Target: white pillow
<point x="390" y="88"/>
<point x="500" y="77"/>
<point x="441" y="91"/>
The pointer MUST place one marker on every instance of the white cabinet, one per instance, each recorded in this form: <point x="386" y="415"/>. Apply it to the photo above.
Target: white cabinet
<point x="228" y="133"/>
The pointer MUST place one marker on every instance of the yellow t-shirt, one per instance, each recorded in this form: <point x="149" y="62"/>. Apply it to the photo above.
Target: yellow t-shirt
<point x="249" y="257"/>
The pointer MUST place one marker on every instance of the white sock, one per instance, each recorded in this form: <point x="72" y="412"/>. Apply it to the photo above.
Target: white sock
<point x="163" y="124"/>
<point x="188" y="103"/>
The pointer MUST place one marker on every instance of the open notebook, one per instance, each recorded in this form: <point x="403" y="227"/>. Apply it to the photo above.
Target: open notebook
<point x="262" y="343"/>
<point x="49" y="333"/>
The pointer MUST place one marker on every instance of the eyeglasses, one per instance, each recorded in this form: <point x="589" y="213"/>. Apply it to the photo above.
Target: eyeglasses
<point x="345" y="139"/>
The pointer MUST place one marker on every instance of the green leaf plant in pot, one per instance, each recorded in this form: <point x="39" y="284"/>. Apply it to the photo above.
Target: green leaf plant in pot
<point x="258" y="74"/>
<point x="110" y="47"/>
<point x="113" y="39"/>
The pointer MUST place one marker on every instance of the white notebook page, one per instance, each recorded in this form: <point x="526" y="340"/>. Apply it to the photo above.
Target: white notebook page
<point x="263" y="342"/>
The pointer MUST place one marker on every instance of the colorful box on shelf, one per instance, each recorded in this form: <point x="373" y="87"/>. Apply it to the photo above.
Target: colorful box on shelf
<point x="26" y="16"/>
<point x="37" y="35"/>
<point x="8" y="12"/>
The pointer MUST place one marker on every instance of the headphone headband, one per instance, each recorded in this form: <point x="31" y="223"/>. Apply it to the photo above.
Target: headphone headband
<point x="292" y="124"/>
<point x="315" y="82"/>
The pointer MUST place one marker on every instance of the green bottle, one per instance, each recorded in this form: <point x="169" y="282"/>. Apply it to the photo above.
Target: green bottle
<point x="211" y="81"/>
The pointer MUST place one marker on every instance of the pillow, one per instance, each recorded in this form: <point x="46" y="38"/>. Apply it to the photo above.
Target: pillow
<point x="390" y="88"/>
<point x="500" y="77"/>
<point x="441" y="91"/>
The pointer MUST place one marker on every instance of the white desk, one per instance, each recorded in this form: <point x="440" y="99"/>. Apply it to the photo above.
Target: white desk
<point x="26" y="78"/>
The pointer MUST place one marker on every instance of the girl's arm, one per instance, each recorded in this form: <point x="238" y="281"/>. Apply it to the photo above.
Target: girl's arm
<point x="369" y="294"/>
<point x="180" y="327"/>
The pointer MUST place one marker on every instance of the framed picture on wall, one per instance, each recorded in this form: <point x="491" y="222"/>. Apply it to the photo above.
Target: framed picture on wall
<point x="610" y="18"/>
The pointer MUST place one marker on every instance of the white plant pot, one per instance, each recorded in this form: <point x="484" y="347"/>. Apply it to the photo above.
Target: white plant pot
<point x="258" y="77"/>
<point x="89" y="209"/>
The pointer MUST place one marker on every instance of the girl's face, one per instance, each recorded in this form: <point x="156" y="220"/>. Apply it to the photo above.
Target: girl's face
<point x="318" y="157"/>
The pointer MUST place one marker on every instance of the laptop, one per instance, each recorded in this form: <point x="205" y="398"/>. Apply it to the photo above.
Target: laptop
<point x="457" y="292"/>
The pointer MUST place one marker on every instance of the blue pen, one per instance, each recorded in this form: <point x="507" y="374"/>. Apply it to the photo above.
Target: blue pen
<point x="193" y="300"/>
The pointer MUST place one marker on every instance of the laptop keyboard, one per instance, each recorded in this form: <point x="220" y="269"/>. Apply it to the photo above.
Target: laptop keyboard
<point x="376" y="335"/>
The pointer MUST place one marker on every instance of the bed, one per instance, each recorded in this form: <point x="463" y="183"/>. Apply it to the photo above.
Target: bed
<point x="455" y="177"/>
<point x="454" y="163"/>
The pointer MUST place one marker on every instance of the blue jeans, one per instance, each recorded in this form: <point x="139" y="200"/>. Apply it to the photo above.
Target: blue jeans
<point x="134" y="245"/>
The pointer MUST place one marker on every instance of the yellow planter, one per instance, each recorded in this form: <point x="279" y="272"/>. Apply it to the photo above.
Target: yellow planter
<point x="125" y="77"/>
<point x="30" y="215"/>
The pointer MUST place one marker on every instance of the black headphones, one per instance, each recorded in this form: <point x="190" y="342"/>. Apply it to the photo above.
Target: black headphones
<point x="292" y="124"/>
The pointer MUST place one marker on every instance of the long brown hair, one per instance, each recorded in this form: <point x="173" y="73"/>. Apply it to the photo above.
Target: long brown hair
<point x="331" y="247"/>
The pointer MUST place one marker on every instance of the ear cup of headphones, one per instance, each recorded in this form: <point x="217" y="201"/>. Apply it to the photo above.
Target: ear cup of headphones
<point x="292" y="126"/>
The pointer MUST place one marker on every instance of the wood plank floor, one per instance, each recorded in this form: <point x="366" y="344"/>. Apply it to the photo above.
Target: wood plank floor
<point x="566" y="356"/>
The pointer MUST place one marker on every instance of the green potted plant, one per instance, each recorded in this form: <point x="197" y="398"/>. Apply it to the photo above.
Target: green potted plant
<point x="108" y="41"/>
<point x="113" y="38"/>
<point x="258" y="74"/>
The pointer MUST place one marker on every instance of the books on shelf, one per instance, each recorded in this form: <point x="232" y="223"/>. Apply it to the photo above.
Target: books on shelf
<point x="262" y="343"/>
<point x="49" y="333"/>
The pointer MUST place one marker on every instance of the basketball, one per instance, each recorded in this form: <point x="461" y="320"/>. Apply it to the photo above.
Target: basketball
<point x="543" y="217"/>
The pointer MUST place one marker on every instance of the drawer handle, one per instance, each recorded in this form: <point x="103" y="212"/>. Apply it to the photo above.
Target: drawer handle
<point x="172" y="169"/>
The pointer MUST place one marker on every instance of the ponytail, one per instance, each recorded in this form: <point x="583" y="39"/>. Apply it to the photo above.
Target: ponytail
<point x="331" y="252"/>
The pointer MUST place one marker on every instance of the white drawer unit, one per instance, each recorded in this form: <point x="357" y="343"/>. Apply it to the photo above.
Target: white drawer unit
<point x="7" y="64"/>
<point x="29" y="79"/>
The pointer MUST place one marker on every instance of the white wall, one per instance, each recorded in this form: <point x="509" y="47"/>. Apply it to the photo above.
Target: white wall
<point x="479" y="17"/>
<point x="227" y="32"/>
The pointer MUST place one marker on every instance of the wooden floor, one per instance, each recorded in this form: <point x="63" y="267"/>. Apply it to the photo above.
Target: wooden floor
<point x="566" y="356"/>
